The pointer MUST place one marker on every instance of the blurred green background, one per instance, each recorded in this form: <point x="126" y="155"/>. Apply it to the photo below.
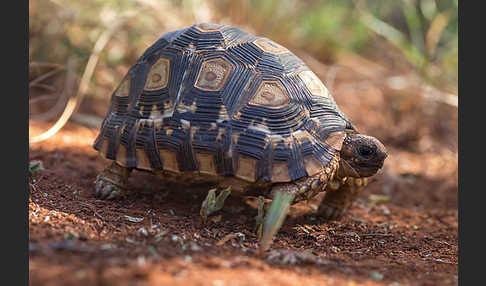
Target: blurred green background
<point x="422" y="33"/>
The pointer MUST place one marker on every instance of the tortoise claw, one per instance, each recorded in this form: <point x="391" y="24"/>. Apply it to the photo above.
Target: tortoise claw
<point x="111" y="182"/>
<point x="213" y="203"/>
<point x="276" y="214"/>
<point x="106" y="190"/>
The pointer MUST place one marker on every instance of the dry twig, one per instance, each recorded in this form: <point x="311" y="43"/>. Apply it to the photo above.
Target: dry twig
<point x="83" y="86"/>
<point x="45" y="76"/>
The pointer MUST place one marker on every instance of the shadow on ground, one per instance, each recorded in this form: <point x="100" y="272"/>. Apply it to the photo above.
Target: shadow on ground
<point x="402" y="230"/>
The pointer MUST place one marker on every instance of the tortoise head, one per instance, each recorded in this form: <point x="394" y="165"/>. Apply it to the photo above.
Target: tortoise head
<point x="361" y="156"/>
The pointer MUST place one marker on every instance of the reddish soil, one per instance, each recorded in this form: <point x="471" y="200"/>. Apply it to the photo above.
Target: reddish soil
<point x="401" y="231"/>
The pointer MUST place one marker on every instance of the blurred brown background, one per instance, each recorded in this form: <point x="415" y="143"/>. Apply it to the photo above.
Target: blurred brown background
<point x="391" y="65"/>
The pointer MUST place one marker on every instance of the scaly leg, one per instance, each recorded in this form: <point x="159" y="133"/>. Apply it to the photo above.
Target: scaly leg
<point x="213" y="203"/>
<point x="340" y="194"/>
<point x="112" y="182"/>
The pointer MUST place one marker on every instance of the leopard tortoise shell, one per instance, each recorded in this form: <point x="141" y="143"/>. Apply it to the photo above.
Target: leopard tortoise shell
<point x="211" y="103"/>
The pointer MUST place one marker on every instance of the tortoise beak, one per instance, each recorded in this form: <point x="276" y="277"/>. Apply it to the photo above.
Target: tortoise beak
<point x="346" y="170"/>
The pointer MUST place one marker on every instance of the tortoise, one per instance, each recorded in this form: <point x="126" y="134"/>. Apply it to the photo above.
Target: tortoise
<point x="213" y="105"/>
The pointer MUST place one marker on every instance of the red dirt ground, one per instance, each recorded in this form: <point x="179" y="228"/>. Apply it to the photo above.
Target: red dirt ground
<point x="401" y="231"/>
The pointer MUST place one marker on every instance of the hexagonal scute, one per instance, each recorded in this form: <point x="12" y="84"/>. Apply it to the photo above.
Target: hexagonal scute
<point x="213" y="74"/>
<point x="158" y="76"/>
<point x="270" y="94"/>
<point x="270" y="46"/>
<point x="313" y="84"/>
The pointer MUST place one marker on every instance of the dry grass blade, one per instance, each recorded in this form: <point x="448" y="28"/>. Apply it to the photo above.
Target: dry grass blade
<point x="382" y="28"/>
<point x="44" y="86"/>
<point x="63" y="98"/>
<point x="39" y="64"/>
<point x="437" y="95"/>
<point x="83" y="86"/>
<point x="433" y="34"/>
<point x="42" y="98"/>
<point x="45" y="76"/>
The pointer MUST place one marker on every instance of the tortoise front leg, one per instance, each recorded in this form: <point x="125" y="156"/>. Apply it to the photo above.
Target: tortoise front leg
<point x="112" y="182"/>
<point x="340" y="195"/>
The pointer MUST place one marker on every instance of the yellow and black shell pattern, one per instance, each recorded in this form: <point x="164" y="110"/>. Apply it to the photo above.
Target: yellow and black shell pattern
<point x="219" y="101"/>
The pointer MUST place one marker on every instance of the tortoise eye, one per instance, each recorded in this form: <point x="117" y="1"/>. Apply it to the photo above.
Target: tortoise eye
<point x="365" y="151"/>
<point x="270" y="94"/>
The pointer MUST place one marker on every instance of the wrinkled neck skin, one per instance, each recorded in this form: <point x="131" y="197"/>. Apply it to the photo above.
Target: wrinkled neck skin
<point x="361" y="156"/>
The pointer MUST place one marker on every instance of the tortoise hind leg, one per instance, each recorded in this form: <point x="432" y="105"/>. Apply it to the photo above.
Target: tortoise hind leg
<point x="340" y="195"/>
<point x="112" y="182"/>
